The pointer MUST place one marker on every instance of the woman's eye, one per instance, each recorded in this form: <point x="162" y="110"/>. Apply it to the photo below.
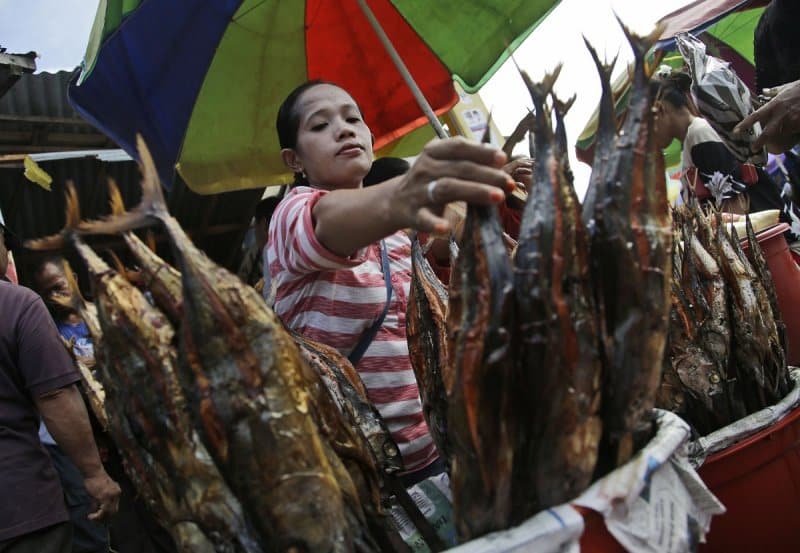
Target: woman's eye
<point x="318" y="127"/>
<point x="353" y="119"/>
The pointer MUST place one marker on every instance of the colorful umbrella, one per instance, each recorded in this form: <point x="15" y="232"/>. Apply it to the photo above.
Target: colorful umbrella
<point x="727" y="28"/>
<point x="201" y="80"/>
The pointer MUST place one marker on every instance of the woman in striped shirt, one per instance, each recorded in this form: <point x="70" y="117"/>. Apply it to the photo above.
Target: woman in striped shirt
<point x="330" y="239"/>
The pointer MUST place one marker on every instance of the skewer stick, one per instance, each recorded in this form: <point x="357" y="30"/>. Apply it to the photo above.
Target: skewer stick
<point x="401" y="67"/>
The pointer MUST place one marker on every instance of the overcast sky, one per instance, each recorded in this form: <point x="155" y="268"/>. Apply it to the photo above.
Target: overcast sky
<point x="59" y="30"/>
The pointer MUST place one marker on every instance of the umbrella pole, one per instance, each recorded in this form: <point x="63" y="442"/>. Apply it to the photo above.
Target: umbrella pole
<point x="401" y="67"/>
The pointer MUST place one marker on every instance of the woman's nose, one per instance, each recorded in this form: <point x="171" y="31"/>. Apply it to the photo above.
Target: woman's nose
<point x="345" y="130"/>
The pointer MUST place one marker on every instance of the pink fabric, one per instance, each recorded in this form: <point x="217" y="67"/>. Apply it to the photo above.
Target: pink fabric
<point x="332" y="299"/>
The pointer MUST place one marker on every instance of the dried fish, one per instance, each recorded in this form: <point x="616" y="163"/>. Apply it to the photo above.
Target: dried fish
<point x="559" y="371"/>
<point x="426" y="332"/>
<point x="244" y="378"/>
<point x="480" y="430"/>
<point x="161" y="279"/>
<point x="631" y="254"/>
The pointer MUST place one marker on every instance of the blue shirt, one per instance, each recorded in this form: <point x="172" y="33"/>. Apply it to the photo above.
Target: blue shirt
<point x="81" y="347"/>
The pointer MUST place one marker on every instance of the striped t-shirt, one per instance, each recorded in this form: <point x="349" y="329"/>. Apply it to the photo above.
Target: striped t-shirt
<point x="332" y="299"/>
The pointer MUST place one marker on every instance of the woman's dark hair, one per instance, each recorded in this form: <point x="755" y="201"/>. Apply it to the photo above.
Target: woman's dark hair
<point x="288" y="120"/>
<point x="674" y="88"/>
<point x="384" y="169"/>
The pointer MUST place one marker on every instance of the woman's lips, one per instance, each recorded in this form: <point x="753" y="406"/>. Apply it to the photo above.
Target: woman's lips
<point x="351" y="150"/>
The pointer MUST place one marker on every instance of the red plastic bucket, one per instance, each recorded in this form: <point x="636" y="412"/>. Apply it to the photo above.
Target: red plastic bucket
<point x="758" y="481"/>
<point x="786" y="276"/>
<point x="596" y="538"/>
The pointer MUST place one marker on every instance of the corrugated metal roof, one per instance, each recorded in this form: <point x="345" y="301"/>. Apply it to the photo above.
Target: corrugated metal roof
<point x="38" y="104"/>
<point x="217" y="224"/>
<point x="43" y="95"/>
<point x="13" y="66"/>
<point x="35" y="116"/>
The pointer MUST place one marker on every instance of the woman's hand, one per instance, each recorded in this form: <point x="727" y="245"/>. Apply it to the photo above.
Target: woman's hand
<point x="779" y="118"/>
<point x="521" y="170"/>
<point x="449" y="170"/>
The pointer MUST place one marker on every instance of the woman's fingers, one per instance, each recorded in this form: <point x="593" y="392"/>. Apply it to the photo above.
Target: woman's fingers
<point x="451" y="189"/>
<point x="428" y="221"/>
<point x="462" y="149"/>
<point x="470" y="171"/>
<point x="451" y="170"/>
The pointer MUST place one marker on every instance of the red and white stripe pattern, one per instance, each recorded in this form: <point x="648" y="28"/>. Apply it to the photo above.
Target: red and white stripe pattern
<point x="332" y="299"/>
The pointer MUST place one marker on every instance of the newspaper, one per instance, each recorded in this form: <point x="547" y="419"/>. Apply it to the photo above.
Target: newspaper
<point x="435" y="501"/>
<point x="656" y="502"/>
<point x="556" y="530"/>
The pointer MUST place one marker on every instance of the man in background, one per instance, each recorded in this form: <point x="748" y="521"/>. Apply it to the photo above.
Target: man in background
<point x="88" y="536"/>
<point x="134" y="530"/>
<point x="38" y="382"/>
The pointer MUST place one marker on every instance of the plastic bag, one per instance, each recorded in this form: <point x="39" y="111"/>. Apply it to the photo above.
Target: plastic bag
<point x="721" y="97"/>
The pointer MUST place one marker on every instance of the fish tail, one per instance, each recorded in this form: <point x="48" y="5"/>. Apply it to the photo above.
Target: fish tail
<point x="640" y="44"/>
<point x="604" y="69"/>
<point x="152" y="194"/>
<point x="115" y="198"/>
<point x="73" y="207"/>
<point x="76" y="300"/>
<point x="153" y="206"/>
<point x="150" y="240"/>
<point x="540" y="91"/>
<point x="562" y="107"/>
<point x="72" y="216"/>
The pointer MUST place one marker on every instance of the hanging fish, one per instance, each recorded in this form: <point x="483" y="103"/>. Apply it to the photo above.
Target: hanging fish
<point x="698" y="369"/>
<point x="559" y="372"/>
<point x="349" y="393"/>
<point x="631" y="255"/>
<point x="246" y="389"/>
<point x="149" y="422"/>
<point x="426" y="332"/>
<point x="778" y="340"/>
<point x="478" y="382"/>
<point x="160" y="278"/>
<point x="604" y="143"/>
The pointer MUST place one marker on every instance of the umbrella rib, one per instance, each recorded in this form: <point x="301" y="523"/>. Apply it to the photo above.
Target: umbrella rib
<point x="241" y="15"/>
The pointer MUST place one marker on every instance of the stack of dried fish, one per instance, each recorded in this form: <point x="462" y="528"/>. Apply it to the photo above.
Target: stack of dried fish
<point x="630" y="252"/>
<point x="556" y="355"/>
<point x="480" y="382"/>
<point x="266" y="444"/>
<point x="536" y="373"/>
<point x="147" y="417"/>
<point x="559" y="366"/>
<point x="426" y="332"/>
<point x="725" y="357"/>
<point x="249" y="394"/>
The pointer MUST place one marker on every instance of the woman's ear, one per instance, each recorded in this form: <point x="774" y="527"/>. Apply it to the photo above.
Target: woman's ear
<point x="290" y="159"/>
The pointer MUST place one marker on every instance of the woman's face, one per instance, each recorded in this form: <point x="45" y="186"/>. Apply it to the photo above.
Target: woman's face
<point x="334" y="145"/>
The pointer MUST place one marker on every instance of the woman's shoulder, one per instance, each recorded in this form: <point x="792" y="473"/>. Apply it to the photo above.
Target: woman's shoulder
<point x="700" y="130"/>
